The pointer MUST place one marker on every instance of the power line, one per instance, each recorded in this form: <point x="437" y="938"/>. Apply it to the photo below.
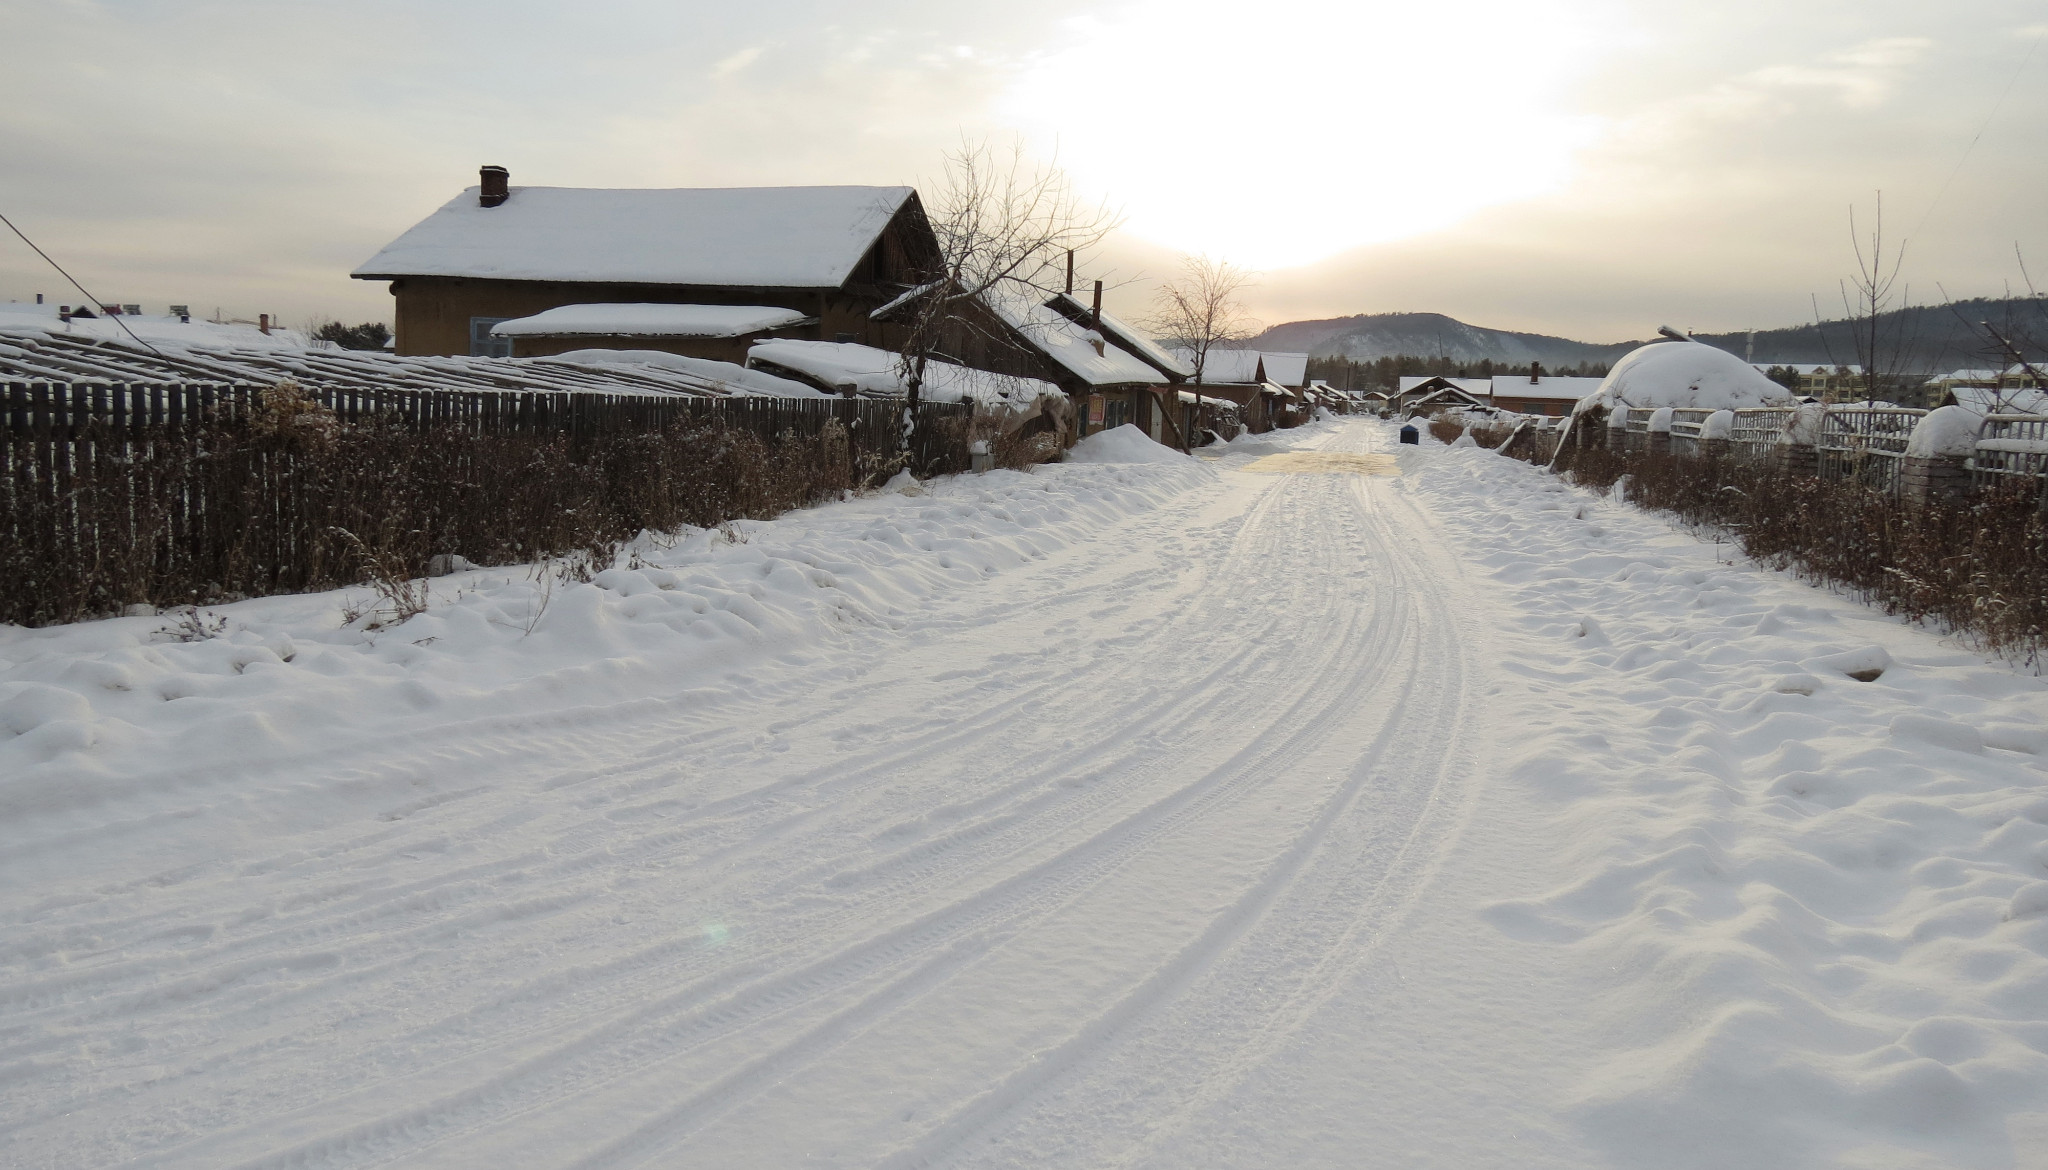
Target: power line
<point x="1985" y="125"/>
<point x="90" y="299"/>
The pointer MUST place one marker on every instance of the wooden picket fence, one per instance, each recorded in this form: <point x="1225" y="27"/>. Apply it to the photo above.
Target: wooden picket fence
<point x="113" y="494"/>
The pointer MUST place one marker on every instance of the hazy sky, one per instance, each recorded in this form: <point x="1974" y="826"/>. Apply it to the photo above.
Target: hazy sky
<point x="1587" y="167"/>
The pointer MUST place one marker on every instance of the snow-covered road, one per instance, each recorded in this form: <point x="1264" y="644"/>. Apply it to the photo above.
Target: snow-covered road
<point x="1262" y="811"/>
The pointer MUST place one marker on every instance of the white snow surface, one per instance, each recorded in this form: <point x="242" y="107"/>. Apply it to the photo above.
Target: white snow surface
<point x="1073" y="347"/>
<point x="1684" y="374"/>
<point x="160" y="331"/>
<point x="755" y="237"/>
<point x="877" y="372"/>
<point x="728" y="376"/>
<point x="1124" y="444"/>
<point x="1154" y="814"/>
<point x="1945" y="431"/>
<point x="1987" y="400"/>
<point x="1144" y="347"/>
<point x="643" y="320"/>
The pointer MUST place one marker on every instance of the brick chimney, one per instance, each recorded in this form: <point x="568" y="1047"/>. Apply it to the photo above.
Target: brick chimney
<point x="494" y="186"/>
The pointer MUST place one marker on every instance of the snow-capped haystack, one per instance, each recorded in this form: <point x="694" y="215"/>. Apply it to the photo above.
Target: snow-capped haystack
<point x="1685" y="374"/>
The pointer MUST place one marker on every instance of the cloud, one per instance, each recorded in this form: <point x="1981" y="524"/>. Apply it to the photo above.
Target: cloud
<point x="1574" y="165"/>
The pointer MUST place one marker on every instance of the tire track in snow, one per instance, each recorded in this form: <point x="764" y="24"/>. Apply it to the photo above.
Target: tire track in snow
<point x="1167" y="699"/>
<point x="1367" y="677"/>
<point x="1052" y="883"/>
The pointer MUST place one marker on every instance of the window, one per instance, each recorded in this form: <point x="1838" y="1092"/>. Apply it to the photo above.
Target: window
<point x="482" y="344"/>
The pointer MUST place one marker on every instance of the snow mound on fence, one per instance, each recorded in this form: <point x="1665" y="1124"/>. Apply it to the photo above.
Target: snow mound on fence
<point x="1124" y="444"/>
<point x="1685" y="375"/>
<point x="1945" y="431"/>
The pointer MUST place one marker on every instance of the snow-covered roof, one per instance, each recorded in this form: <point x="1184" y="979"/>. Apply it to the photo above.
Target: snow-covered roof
<point x="1225" y="366"/>
<point x="1123" y="335"/>
<point x="877" y="373"/>
<point x="52" y="355"/>
<point x="1685" y="374"/>
<point x="1477" y="387"/>
<point x="1985" y="399"/>
<point x="733" y="379"/>
<point x="1288" y="369"/>
<point x="1453" y="393"/>
<point x="1806" y="369"/>
<point x="651" y="321"/>
<point x="155" y="330"/>
<point x="1075" y="348"/>
<point x="1986" y="376"/>
<point x="754" y="237"/>
<point x="1231" y="366"/>
<point x="1520" y="386"/>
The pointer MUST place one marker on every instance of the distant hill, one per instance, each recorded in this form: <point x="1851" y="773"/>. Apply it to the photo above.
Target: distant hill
<point x="1945" y="336"/>
<point x="1367" y="337"/>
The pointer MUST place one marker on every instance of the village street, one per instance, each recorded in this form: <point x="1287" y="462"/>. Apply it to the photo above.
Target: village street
<point x="1321" y="803"/>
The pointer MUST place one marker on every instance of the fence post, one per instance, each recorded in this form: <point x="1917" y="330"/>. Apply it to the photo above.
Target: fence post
<point x="1932" y="478"/>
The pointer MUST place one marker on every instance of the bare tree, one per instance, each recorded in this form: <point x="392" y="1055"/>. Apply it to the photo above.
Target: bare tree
<point x="1200" y="312"/>
<point x="1879" y="329"/>
<point x="1005" y="227"/>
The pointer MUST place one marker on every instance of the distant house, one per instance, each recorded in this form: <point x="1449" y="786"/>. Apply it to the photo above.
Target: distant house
<point x="1542" y="394"/>
<point x="1114" y="374"/>
<point x="1996" y="399"/>
<point x="1937" y="387"/>
<point x="1829" y="383"/>
<point x="1441" y="391"/>
<point x="1269" y="389"/>
<point x="498" y="253"/>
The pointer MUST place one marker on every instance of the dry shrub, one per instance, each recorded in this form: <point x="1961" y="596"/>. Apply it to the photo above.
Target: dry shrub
<point x="1444" y="430"/>
<point x="286" y="413"/>
<point x="1491" y="435"/>
<point x="286" y="498"/>
<point x="1977" y="566"/>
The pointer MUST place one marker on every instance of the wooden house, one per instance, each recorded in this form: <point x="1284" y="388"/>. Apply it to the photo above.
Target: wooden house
<point x="1539" y="393"/>
<point x="1269" y="389"/>
<point x="1441" y="391"/>
<point x="498" y="253"/>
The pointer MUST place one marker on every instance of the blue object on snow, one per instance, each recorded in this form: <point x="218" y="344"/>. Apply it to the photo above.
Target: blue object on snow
<point x="1411" y="436"/>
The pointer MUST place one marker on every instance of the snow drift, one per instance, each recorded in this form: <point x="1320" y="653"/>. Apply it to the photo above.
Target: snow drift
<point x="1124" y="444"/>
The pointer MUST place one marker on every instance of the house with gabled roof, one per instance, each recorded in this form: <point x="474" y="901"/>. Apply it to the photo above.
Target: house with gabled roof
<point x="1424" y="394"/>
<point x="1539" y="393"/>
<point x="1269" y="389"/>
<point x="498" y="253"/>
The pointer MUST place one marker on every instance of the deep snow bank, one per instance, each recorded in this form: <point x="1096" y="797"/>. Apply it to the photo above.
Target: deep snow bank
<point x="100" y="708"/>
<point x="1817" y="903"/>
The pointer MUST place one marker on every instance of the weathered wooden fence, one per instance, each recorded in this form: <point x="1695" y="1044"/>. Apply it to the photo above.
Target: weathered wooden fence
<point x="166" y="493"/>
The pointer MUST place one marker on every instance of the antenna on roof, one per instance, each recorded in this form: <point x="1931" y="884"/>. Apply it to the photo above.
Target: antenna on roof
<point x="74" y="284"/>
<point x="1674" y="334"/>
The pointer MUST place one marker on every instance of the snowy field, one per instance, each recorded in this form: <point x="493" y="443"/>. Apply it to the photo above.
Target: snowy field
<point x="1323" y="804"/>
